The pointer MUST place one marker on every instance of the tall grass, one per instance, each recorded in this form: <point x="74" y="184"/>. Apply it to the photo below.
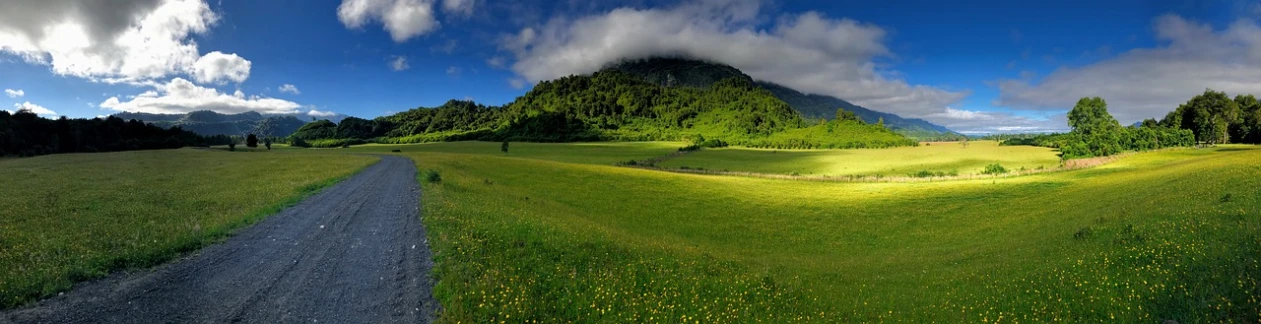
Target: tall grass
<point x="73" y="217"/>
<point x="523" y="240"/>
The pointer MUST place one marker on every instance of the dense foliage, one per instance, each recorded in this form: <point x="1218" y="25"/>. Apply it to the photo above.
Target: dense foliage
<point x="1208" y="118"/>
<point x="25" y="134"/>
<point x="682" y="72"/>
<point x="1215" y="118"/>
<point x="613" y="105"/>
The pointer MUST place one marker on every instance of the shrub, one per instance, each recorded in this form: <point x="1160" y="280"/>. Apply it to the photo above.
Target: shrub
<point x="299" y="142"/>
<point x="396" y="151"/>
<point x="432" y="176"/>
<point x="232" y="146"/>
<point x="994" y="169"/>
<point x="1082" y="233"/>
<point x="251" y="141"/>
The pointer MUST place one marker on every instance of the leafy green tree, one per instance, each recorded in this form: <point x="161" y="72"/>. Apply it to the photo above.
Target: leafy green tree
<point x="251" y="141"/>
<point x="1248" y="129"/>
<point x="846" y="115"/>
<point x="504" y="147"/>
<point x="1090" y="116"/>
<point x="1210" y="116"/>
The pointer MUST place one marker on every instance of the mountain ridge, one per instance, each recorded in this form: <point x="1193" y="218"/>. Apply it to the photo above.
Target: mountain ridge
<point x="686" y="72"/>
<point x="210" y="123"/>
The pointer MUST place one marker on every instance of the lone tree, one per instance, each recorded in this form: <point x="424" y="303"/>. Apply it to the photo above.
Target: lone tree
<point x="251" y="141"/>
<point x="267" y="142"/>
<point x="504" y="147"/>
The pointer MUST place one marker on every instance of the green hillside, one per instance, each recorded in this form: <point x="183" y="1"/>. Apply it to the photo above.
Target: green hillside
<point x="612" y="105"/>
<point x="676" y="72"/>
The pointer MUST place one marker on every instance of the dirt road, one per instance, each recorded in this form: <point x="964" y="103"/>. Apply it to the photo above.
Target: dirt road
<point x="354" y="253"/>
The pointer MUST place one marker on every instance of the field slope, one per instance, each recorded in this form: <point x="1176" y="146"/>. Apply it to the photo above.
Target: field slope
<point x="945" y="157"/>
<point x="1154" y="236"/>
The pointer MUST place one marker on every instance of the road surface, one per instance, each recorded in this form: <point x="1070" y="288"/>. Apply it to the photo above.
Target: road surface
<point x="354" y="253"/>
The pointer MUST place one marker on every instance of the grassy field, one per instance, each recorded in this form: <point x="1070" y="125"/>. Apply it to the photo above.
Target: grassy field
<point x="949" y="157"/>
<point x="71" y="217"/>
<point x="606" y="153"/>
<point x="1163" y="235"/>
<point x="556" y="233"/>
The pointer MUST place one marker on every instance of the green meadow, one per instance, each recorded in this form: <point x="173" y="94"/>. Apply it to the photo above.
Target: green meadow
<point x="559" y="233"/>
<point x="944" y="157"/>
<point x="72" y="217"/>
<point x="1153" y="236"/>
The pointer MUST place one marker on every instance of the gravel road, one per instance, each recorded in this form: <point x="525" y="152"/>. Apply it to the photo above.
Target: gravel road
<point x="354" y="253"/>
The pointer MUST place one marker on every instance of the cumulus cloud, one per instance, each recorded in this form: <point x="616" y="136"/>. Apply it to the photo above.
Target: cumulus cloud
<point x="399" y="63"/>
<point x="14" y="93"/>
<point x="458" y="7"/>
<point x="1149" y="82"/>
<point x="289" y="88"/>
<point x="496" y="62"/>
<point x="217" y="67"/>
<point x="131" y="41"/>
<point x="317" y="113"/>
<point x="37" y="109"/>
<point x="182" y="96"/>
<point x="809" y="52"/>
<point x="403" y="19"/>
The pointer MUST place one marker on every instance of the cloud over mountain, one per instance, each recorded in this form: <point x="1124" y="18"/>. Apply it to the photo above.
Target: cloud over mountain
<point x="809" y="52"/>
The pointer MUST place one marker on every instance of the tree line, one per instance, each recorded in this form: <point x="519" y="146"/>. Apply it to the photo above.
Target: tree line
<point x="614" y="106"/>
<point x="1209" y="118"/>
<point x="24" y="134"/>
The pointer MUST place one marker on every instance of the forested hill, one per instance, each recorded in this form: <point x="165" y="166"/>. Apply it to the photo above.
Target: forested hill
<point x="674" y="72"/>
<point x="820" y="106"/>
<point x="614" y="105"/>
<point x="209" y="123"/>
<point x="677" y="72"/>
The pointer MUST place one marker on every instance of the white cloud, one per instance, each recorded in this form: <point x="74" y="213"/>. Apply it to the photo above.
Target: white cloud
<point x="1149" y="82"/>
<point x="131" y="41"/>
<point x="454" y="71"/>
<point x="182" y="96"/>
<point x="289" y="88"/>
<point x="496" y="62"/>
<point x="517" y="83"/>
<point x="37" y="109"/>
<point x="403" y="19"/>
<point x="399" y="63"/>
<point x="990" y="122"/>
<point x="217" y="67"/>
<point x="808" y="52"/>
<point x="14" y="93"/>
<point x="458" y="7"/>
<point x="317" y="113"/>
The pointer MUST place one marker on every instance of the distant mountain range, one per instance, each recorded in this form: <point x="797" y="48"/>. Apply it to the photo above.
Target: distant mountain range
<point x="677" y="72"/>
<point x="208" y="123"/>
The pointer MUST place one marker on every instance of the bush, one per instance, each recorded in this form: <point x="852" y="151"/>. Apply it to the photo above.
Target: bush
<point x="232" y="146"/>
<point x="1083" y="233"/>
<point x="994" y="169"/>
<point x="251" y="141"/>
<point x="432" y="176"/>
<point x="299" y="142"/>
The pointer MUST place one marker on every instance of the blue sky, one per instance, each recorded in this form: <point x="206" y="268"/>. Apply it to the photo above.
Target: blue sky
<point x="991" y="66"/>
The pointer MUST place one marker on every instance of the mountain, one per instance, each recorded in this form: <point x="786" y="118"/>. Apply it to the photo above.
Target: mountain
<point x="613" y="105"/>
<point x="206" y="122"/>
<point x="678" y="72"/>
<point x="820" y="106"/>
